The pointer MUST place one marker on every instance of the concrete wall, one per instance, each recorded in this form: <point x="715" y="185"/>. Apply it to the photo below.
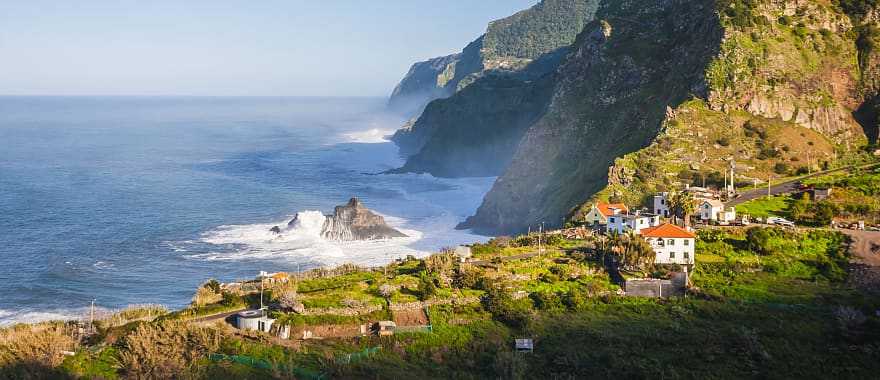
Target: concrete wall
<point x="656" y="288"/>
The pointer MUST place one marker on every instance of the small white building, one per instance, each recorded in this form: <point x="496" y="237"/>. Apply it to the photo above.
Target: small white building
<point x="672" y="244"/>
<point x="254" y="320"/>
<point x="636" y="222"/>
<point x="463" y="253"/>
<point x="713" y="210"/>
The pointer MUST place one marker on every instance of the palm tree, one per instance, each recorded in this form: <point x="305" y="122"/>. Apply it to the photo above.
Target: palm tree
<point x="682" y="203"/>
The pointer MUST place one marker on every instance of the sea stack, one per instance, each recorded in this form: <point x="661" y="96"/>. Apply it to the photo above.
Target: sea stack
<point x="353" y="221"/>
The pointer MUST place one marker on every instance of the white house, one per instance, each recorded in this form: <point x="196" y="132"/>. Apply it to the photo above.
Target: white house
<point x="713" y="210"/>
<point x="636" y="222"/>
<point x="661" y="205"/>
<point x="672" y="244"/>
<point x="599" y="213"/>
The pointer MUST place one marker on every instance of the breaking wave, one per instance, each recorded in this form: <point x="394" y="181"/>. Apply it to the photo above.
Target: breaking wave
<point x="301" y="241"/>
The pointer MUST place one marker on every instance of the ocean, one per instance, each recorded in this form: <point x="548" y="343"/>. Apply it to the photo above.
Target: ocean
<point x="134" y="200"/>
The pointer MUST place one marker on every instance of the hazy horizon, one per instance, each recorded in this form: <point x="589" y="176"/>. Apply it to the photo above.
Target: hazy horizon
<point x="229" y="48"/>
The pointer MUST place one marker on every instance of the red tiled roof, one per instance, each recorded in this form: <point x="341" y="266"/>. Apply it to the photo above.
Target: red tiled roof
<point x="605" y="208"/>
<point x="667" y="230"/>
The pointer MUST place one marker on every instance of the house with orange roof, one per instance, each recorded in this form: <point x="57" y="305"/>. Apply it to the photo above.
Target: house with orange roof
<point x="600" y="212"/>
<point x="672" y="244"/>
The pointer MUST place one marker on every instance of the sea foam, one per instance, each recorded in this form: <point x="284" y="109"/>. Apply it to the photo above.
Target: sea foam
<point x="302" y="242"/>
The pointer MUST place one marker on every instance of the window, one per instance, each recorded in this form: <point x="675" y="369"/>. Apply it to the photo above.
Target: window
<point x="670" y="242"/>
<point x="641" y="221"/>
<point x="671" y="255"/>
<point x="610" y="220"/>
<point x="687" y="255"/>
<point x="687" y="242"/>
<point x="662" y="201"/>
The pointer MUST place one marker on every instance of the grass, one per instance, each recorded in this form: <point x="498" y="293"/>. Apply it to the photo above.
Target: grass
<point x="770" y="315"/>
<point x="776" y="205"/>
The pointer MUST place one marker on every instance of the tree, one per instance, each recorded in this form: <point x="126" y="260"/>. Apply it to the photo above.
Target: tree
<point x="824" y="212"/>
<point x="427" y="287"/>
<point x="288" y="299"/>
<point x="683" y="204"/>
<point x="386" y="291"/>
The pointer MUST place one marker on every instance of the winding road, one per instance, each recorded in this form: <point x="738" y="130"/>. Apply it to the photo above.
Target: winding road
<point x="787" y="187"/>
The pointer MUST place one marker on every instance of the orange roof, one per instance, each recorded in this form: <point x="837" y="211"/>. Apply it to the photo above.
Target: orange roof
<point x="605" y="208"/>
<point x="667" y="230"/>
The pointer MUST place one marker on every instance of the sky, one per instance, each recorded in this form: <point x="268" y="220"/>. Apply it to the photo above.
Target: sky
<point x="230" y="48"/>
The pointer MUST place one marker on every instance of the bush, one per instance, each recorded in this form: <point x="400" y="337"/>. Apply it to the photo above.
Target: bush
<point x="166" y="350"/>
<point x="427" y="286"/>
<point x="780" y="168"/>
<point x="504" y="308"/>
<point x="724" y="141"/>
<point x="467" y="277"/>
<point x="30" y="351"/>
<point x="759" y="240"/>
<point x="547" y="301"/>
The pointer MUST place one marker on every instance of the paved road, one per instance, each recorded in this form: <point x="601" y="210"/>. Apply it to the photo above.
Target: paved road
<point x="785" y="187"/>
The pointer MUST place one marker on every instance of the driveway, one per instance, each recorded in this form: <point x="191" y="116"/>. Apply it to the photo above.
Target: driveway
<point x="865" y="261"/>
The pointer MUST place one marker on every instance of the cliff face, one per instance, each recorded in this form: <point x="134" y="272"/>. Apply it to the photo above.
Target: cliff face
<point x="610" y="98"/>
<point x="509" y="44"/>
<point x="475" y="132"/>
<point x="424" y="82"/>
<point x="660" y="92"/>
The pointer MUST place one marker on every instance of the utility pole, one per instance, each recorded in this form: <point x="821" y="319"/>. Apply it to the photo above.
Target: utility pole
<point x="769" y="182"/>
<point x="262" y="278"/>
<point x="92" y="317"/>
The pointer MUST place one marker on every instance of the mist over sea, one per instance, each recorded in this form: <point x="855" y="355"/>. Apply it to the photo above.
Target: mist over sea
<point x="131" y="200"/>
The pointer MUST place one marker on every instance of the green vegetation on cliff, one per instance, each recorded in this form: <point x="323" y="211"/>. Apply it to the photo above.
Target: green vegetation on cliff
<point x="765" y="303"/>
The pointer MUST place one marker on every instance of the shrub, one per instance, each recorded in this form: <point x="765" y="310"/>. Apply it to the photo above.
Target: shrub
<point x="29" y="351"/>
<point x="780" y="168"/>
<point x="759" y="240"/>
<point x="547" y="300"/>
<point x="467" y="277"/>
<point x="574" y="299"/>
<point x="288" y="299"/>
<point x="427" y="286"/>
<point x="504" y="308"/>
<point x="724" y="141"/>
<point x="166" y="350"/>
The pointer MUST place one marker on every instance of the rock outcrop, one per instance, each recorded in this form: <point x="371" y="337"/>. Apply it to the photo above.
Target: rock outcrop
<point x="349" y="222"/>
<point x="353" y="221"/>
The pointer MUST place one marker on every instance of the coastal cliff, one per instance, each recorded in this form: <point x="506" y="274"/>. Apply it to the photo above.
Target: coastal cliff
<point x="657" y="92"/>
<point x="609" y="99"/>
<point x="509" y="45"/>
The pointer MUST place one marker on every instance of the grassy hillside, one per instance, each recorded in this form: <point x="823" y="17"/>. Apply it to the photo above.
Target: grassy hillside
<point x="765" y="303"/>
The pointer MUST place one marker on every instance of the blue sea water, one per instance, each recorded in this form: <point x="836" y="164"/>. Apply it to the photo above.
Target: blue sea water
<point x="131" y="200"/>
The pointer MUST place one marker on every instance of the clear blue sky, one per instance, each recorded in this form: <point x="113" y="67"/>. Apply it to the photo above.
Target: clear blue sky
<point x="219" y="47"/>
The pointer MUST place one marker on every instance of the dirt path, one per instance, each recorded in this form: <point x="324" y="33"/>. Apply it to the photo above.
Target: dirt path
<point x="865" y="267"/>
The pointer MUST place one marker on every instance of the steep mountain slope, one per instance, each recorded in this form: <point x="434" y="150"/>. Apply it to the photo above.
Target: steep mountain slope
<point x="610" y="99"/>
<point x="481" y="126"/>
<point x="776" y="85"/>
<point x="509" y="44"/>
<point x="425" y="81"/>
